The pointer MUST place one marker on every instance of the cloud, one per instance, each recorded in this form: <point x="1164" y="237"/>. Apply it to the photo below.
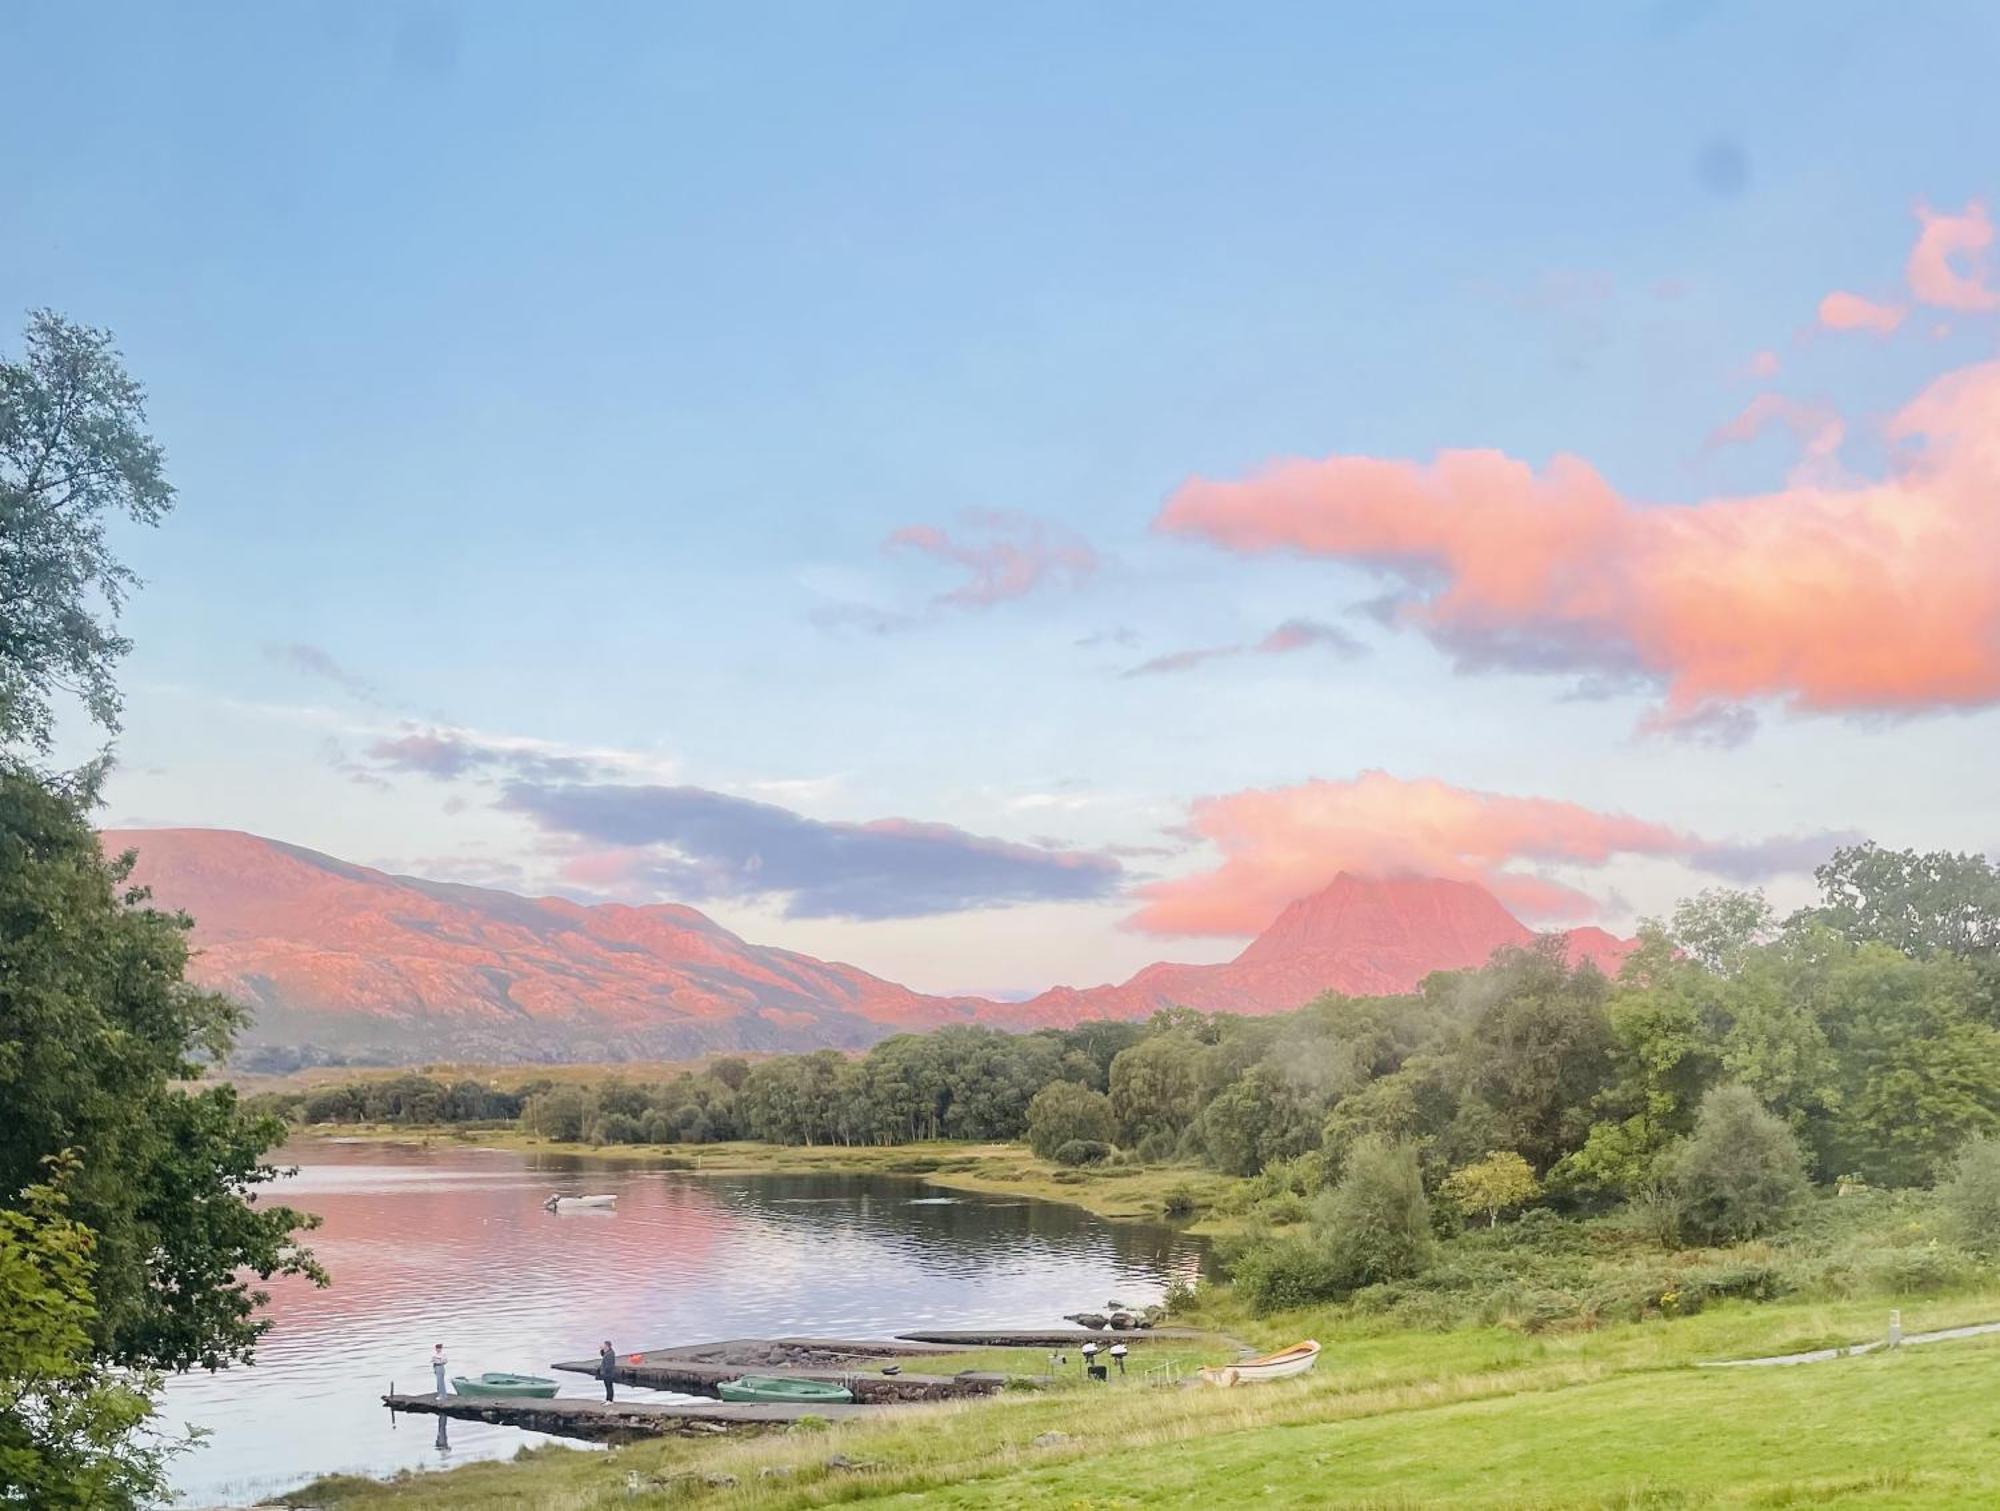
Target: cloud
<point x="1764" y="364"/>
<point x="1842" y="311"/>
<point x="1292" y="635"/>
<point x="313" y="661"/>
<point x="1817" y="428"/>
<point x="1006" y="554"/>
<point x="1276" y="845"/>
<point x="447" y="753"/>
<point x="1934" y="279"/>
<point x="695" y="845"/>
<point x="1826" y="596"/>
<point x="1280" y="844"/>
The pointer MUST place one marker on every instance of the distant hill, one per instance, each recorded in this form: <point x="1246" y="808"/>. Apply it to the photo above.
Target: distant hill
<point x="359" y="964"/>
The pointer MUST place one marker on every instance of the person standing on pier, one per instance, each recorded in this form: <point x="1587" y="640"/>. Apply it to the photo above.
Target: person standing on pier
<point x="607" y="1366"/>
<point x="437" y="1366"/>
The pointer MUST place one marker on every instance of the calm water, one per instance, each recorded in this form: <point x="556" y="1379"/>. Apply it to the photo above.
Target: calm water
<point x="451" y="1245"/>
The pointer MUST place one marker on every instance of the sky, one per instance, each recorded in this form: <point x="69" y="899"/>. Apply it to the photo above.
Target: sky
<point x="1000" y="495"/>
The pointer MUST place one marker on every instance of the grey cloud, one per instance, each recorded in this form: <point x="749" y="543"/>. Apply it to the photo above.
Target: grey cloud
<point x="1292" y="635"/>
<point x="314" y="661"/>
<point x="446" y="755"/>
<point x="1782" y="855"/>
<point x="694" y="844"/>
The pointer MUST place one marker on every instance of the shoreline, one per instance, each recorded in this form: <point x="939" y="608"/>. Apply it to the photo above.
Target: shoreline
<point x="1116" y="1193"/>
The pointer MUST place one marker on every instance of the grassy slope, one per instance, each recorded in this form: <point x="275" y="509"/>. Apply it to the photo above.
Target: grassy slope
<point x="1484" y="1417"/>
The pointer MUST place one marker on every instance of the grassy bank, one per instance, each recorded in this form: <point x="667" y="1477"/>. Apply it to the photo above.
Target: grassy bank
<point x="1485" y="1417"/>
<point x="1186" y="1195"/>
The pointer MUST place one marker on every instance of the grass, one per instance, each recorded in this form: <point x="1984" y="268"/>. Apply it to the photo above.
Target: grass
<point x="1393" y="1418"/>
<point x="1121" y="1192"/>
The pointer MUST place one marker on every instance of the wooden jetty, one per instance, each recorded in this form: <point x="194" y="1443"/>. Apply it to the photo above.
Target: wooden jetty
<point x="698" y="1368"/>
<point x="960" y="1339"/>
<point x="619" y="1421"/>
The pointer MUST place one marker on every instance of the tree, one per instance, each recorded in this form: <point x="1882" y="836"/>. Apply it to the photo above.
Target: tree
<point x="69" y="1426"/>
<point x="1919" y="904"/>
<point x="73" y="452"/>
<point x="1376" y="1223"/>
<point x="1740" y="1171"/>
<point x="1501" y="1181"/>
<point x="1064" y="1111"/>
<point x="1156" y="1087"/>
<point x="1971" y="1196"/>
<point x="1719" y="927"/>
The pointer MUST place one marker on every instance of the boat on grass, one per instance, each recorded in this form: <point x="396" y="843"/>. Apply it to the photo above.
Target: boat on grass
<point x="530" y="1387"/>
<point x="784" y="1390"/>
<point x="1285" y="1363"/>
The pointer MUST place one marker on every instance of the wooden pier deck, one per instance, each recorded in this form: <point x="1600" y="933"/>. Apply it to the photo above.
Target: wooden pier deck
<point x="698" y="1368"/>
<point x="959" y="1339"/>
<point x="616" y="1422"/>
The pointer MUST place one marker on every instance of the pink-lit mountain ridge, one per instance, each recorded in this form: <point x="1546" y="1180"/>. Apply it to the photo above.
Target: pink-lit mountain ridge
<point x="358" y="963"/>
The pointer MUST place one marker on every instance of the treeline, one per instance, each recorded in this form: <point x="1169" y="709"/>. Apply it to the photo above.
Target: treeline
<point x="1869" y="1026"/>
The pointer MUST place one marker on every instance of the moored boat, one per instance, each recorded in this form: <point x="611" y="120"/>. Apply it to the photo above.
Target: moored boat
<point x="535" y="1387"/>
<point x="1286" y="1362"/>
<point x="560" y="1203"/>
<point x="785" y="1390"/>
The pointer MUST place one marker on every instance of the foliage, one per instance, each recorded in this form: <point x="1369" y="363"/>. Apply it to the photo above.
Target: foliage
<point x="1971" y="1196"/>
<point x="1064" y="1113"/>
<point x="1918" y="904"/>
<point x="1719" y="928"/>
<point x="1081" y="1151"/>
<point x="1741" y="1171"/>
<point x="1495" y="1184"/>
<point x="1285" y="1274"/>
<point x="97" y="1024"/>
<point x="1376" y="1223"/>
<point x="73" y="451"/>
<point x="71" y="1429"/>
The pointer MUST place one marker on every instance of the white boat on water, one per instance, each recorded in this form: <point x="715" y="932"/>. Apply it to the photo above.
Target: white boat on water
<point x="1295" y="1360"/>
<point x="560" y="1203"/>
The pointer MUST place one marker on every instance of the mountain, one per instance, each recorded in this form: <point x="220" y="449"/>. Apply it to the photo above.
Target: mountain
<point x="365" y="965"/>
<point x="360" y="964"/>
<point x="1365" y="936"/>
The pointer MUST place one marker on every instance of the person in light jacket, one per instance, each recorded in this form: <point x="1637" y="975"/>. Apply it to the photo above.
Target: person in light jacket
<point x="437" y="1366"/>
<point x="607" y="1367"/>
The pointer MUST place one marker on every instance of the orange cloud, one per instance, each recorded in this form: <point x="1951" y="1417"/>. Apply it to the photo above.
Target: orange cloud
<point x="1829" y="596"/>
<point x="1006" y="554"/>
<point x="1933" y="277"/>
<point x="1280" y="844"/>
<point x="1818" y="430"/>
<point x="1842" y="311"/>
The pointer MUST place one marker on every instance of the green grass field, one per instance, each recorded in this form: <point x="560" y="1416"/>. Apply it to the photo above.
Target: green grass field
<point x="1615" y="1417"/>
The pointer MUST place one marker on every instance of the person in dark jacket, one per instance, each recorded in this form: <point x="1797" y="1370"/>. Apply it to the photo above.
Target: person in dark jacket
<point x="607" y="1367"/>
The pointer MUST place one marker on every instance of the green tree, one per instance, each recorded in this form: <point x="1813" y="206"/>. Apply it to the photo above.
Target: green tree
<point x="1917" y="903"/>
<point x="1064" y="1111"/>
<point x="71" y="1429"/>
<point x="1376" y="1223"/>
<point x="1971" y="1196"/>
<point x="1496" y="1184"/>
<point x="1741" y="1170"/>
<point x="1156" y="1087"/>
<point x="73" y="454"/>
<point x="1719" y="928"/>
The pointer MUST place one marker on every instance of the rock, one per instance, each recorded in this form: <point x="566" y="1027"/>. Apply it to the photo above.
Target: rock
<point x="854" y="1466"/>
<point x="1053" y="1439"/>
<point x="1121" y="1322"/>
<point x="1092" y="1320"/>
<point x="776" y="1472"/>
<point x="719" y="1481"/>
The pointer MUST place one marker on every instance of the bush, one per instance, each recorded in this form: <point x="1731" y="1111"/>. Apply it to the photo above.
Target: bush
<point x="1181" y="1202"/>
<point x="1377" y="1223"/>
<point x="1082" y="1151"/>
<point x="1286" y="1273"/>
<point x="1740" y="1171"/>
<point x="1972" y="1196"/>
<point x="1064" y="1113"/>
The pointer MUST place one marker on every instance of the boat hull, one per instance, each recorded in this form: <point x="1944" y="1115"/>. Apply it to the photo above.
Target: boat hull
<point x="512" y="1387"/>
<point x="1283" y="1365"/>
<point x="771" y="1390"/>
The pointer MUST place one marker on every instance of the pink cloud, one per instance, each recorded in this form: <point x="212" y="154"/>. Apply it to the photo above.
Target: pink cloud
<point x="1764" y="365"/>
<point x="1817" y="428"/>
<point x="1842" y="311"/>
<point x="1279" y="844"/>
<point x="1829" y="595"/>
<point x="1292" y="635"/>
<point x="1006" y="554"/>
<point x="1934" y="279"/>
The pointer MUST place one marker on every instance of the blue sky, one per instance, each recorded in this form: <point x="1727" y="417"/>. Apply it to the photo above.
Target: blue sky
<point x="551" y="381"/>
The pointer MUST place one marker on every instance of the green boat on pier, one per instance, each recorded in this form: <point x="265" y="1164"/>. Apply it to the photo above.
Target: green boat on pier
<point x="536" y="1387"/>
<point x="784" y="1390"/>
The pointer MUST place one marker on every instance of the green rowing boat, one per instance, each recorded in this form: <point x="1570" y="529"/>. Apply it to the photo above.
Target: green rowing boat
<point x="774" y="1390"/>
<point x="538" y="1387"/>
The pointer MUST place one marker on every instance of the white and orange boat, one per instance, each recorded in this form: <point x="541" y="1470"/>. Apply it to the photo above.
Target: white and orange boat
<point x="1285" y="1363"/>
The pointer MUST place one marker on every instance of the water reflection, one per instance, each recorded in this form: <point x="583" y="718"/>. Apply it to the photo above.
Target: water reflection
<point x="453" y="1244"/>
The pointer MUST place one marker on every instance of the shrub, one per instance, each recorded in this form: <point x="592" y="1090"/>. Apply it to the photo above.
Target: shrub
<point x="1181" y="1202"/>
<point x="1377" y="1222"/>
<point x="1064" y="1113"/>
<point x="1495" y="1184"/>
<point x="1972" y="1196"/>
<point x="1286" y="1273"/>
<point x="1082" y="1151"/>
<point x="1740" y="1171"/>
